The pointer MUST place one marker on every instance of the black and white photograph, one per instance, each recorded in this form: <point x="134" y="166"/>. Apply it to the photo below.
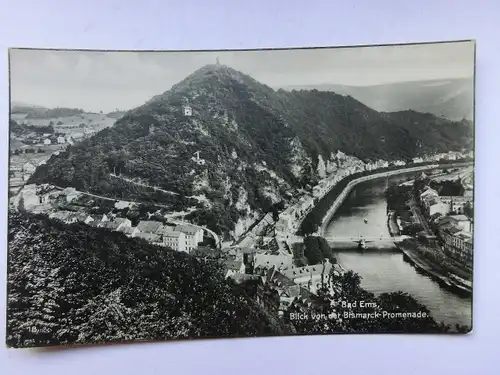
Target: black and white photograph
<point x="166" y="195"/>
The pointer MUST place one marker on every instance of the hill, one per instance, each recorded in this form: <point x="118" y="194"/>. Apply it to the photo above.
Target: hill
<point x="35" y="112"/>
<point x="73" y="284"/>
<point x="452" y="99"/>
<point x="116" y="114"/>
<point x="256" y="145"/>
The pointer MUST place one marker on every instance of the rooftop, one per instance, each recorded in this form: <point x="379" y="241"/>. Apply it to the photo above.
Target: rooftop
<point x="234" y="265"/>
<point x="110" y="225"/>
<point x="149" y="226"/>
<point x="459" y="217"/>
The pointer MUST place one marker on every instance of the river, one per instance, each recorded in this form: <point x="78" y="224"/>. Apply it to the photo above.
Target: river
<point x="387" y="271"/>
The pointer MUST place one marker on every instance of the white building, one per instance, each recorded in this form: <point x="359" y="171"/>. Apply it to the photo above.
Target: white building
<point x="192" y="235"/>
<point x="418" y="160"/>
<point x="61" y="140"/>
<point x="456" y="203"/>
<point x="176" y="240"/>
<point x="234" y="267"/>
<point x="187" y="110"/>
<point x="47" y="142"/>
<point x="28" y="167"/>
<point x="442" y="208"/>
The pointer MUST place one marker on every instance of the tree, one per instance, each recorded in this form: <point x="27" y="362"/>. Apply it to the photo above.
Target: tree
<point x="413" y="229"/>
<point x="313" y="251"/>
<point x="20" y="206"/>
<point x="468" y="210"/>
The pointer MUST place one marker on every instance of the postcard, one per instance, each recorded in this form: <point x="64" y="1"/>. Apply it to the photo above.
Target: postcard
<point x="160" y="195"/>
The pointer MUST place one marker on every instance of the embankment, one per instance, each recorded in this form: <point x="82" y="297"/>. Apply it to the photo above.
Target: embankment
<point x="353" y="182"/>
<point x="431" y="270"/>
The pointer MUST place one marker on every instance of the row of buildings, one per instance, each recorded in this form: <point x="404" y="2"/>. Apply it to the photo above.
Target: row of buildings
<point x="451" y="155"/>
<point x="278" y="284"/>
<point x="446" y="214"/>
<point x="433" y="203"/>
<point x="39" y="199"/>
<point x="456" y="232"/>
<point x="183" y="238"/>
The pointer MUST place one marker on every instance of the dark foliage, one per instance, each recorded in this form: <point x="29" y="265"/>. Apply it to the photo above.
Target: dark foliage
<point x="20" y="129"/>
<point x="77" y="284"/>
<point x="316" y="249"/>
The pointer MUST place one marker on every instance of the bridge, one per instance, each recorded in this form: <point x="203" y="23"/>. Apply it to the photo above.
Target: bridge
<point x="371" y="242"/>
<point x="366" y="239"/>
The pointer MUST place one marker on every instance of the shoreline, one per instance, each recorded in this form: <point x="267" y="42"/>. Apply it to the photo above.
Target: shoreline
<point x="430" y="271"/>
<point x="351" y="184"/>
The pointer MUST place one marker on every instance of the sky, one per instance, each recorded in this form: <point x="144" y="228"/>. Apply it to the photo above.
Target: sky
<point x="97" y="80"/>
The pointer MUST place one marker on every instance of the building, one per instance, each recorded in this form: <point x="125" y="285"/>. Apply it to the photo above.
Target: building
<point x="438" y="207"/>
<point x="28" y="167"/>
<point x="29" y="197"/>
<point x="457" y="203"/>
<point x="70" y="193"/>
<point x="268" y="259"/>
<point x="259" y="228"/>
<point x="288" y="291"/>
<point x="61" y="139"/>
<point x="128" y="231"/>
<point x="234" y="266"/>
<point x="116" y="224"/>
<point x="193" y="235"/>
<point x="310" y="277"/>
<point x="417" y="160"/>
<point x="149" y="226"/>
<point x="47" y="142"/>
<point x="174" y="239"/>
<point x="460" y="221"/>
<point x="187" y="110"/>
<point x="458" y="244"/>
<point x="66" y="217"/>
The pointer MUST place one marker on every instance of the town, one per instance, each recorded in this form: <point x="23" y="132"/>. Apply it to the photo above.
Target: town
<point x="437" y="210"/>
<point x="267" y="252"/>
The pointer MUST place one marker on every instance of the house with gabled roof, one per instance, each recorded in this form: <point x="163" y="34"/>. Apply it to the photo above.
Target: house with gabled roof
<point x="149" y="226"/>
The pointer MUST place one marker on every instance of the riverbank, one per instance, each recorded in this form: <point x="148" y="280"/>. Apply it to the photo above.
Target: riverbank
<point x="437" y="273"/>
<point x="392" y="224"/>
<point x="351" y="184"/>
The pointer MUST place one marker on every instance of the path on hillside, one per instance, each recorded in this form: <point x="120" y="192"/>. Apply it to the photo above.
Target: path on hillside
<point x="156" y="188"/>
<point x="143" y="185"/>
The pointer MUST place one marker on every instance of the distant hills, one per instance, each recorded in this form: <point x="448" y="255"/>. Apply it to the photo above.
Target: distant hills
<point x="452" y="98"/>
<point x="38" y="112"/>
<point x="256" y="145"/>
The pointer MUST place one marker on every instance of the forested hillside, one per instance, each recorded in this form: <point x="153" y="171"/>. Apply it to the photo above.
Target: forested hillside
<point x="76" y="284"/>
<point x="256" y="144"/>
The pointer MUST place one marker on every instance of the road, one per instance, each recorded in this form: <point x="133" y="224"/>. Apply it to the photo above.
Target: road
<point x="417" y="214"/>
